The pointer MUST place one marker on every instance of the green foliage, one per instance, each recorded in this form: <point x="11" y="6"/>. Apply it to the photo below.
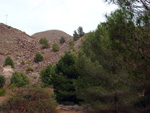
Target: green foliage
<point x="2" y="81"/>
<point x="20" y="79"/>
<point x="80" y="31"/>
<point x="135" y="43"/>
<point x="75" y="36"/>
<point x="38" y="57"/>
<point x="2" y="92"/>
<point x="63" y="80"/>
<point x="9" y="61"/>
<point x="45" y="43"/>
<point x="62" y="40"/>
<point x="71" y="43"/>
<point x="12" y="86"/>
<point x="30" y="100"/>
<point x="55" y="47"/>
<point x="105" y="80"/>
<point x="46" y="75"/>
<point x="29" y="69"/>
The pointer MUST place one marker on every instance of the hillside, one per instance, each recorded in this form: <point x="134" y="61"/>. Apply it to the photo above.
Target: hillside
<point x="51" y="57"/>
<point x="22" y="48"/>
<point x="17" y="44"/>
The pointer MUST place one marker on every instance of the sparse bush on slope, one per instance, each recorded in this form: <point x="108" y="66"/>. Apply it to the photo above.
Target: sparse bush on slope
<point x="56" y="47"/>
<point x="62" y="40"/>
<point x="45" y="43"/>
<point x="9" y="61"/>
<point x="38" y="57"/>
<point x="71" y="44"/>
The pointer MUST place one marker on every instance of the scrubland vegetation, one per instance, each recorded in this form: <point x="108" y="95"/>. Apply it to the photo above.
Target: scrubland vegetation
<point x="109" y="74"/>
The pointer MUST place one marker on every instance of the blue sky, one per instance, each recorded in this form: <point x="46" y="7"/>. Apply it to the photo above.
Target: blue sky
<point x="33" y="16"/>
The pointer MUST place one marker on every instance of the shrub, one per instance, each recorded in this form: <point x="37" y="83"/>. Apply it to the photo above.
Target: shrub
<point x="75" y="36"/>
<point x="12" y="86"/>
<point x="45" y="43"/>
<point x="2" y="92"/>
<point x="20" y="79"/>
<point x="71" y="43"/>
<point x="56" y="47"/>
<point x="9" y="61"/>
<point x="29" y="69"/>
<point x="38" y="57"/>
<point x="30" y="100"/>
<point x="2" y="81"/>
<point x="62" y="40"/>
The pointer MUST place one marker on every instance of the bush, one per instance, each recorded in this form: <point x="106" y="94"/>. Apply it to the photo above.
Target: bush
<point x="30" y="100"/>
<point x="75" y="36"/>
<point x="38" y="57"/>
<point x="20" y="79"/>
<point x="9" y="61"/>
<point x="71" y="43"/>
<point x="2" y="92"/>
<point x="2" y="81"/>
<point x="62" y="40"/>
<point x="29" y="69"/>
<point x="56" y="47"/>
<point x="45" y="43"/>
<point x="12" y="86"/>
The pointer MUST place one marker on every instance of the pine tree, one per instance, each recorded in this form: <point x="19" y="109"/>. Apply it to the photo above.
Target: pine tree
<point x="63" y="80"/>
<point x="46" y="75"/>
<point x="80" y="31"/>
<point x="45" y="43"/>
<point x="38" y="57"/>
<point x="105" y="82"/>
<point x="62" y="40"/>
<point x="55" y="47"/>
<point x="9" y="61"/>
<point x="75" y="36"/>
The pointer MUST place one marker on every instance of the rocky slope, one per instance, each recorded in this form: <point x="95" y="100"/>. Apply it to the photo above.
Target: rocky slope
<point x="22" y="47"/>
<point x="17" y="44"/>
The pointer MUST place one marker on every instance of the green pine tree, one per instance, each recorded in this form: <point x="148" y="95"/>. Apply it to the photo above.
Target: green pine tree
<point x="38" y="57"/>
<point x="55" y="47"/>
<point x="63" y="80"/>
<point x="75" y="36"/>
<point x="80" y="31"/>
<point x="9" y="61"/>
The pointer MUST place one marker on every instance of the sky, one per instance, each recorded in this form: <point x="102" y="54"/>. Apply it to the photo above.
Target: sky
<point x="32" y="16"/>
